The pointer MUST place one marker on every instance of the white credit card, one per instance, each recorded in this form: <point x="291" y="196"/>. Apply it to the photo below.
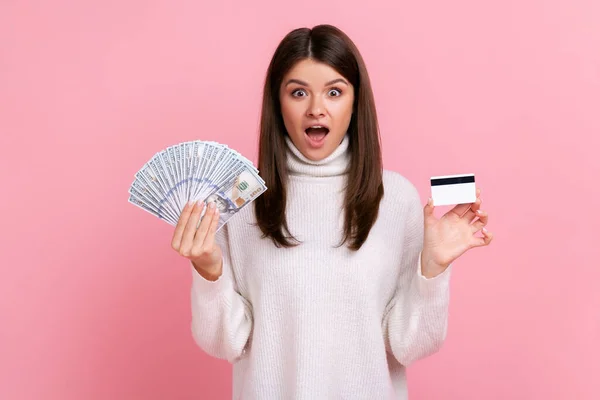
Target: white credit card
<point x="453" y="189"/>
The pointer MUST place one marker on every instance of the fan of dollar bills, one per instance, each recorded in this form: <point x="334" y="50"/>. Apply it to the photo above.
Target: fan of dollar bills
<point x="192" y="171"/>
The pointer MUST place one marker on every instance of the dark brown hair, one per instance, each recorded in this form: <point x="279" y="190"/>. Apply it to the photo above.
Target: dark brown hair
<point x="364" y="190"/>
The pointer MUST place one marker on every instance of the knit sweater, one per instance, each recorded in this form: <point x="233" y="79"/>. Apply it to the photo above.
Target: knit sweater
<point x="319" y="321"/>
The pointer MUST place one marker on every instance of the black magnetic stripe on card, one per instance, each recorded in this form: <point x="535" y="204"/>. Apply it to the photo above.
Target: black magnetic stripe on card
<point x="452" y="181"/>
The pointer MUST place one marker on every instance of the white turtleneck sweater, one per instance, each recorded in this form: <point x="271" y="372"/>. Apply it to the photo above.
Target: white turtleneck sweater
<point x="315" y="321"/>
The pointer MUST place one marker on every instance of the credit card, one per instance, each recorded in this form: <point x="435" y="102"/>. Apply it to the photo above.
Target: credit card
<point x="453" y="189"/>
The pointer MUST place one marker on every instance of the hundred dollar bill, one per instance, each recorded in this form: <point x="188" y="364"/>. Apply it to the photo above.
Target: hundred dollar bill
<point x="174" y="164"/>
<point x="149" y="208"/>
<point x="237" y="194"/>
<point x="141" y="192"/>
<point x="214" y="183"/>
<point x="153" y="183"/>
<point x="166" y="172"/>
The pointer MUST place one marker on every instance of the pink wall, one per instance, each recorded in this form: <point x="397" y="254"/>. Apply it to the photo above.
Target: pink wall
<point x="95" y="304"/>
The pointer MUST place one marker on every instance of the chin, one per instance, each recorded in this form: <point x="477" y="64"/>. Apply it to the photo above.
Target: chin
<point x="319" y="154"/>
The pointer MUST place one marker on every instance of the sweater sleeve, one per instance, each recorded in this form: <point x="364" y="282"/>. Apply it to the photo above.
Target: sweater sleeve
<point x="416" y="319"/>
<point x="221" y="316"/>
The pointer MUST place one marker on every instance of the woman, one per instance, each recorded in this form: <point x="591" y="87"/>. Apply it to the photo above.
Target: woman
<point x="336" y="279"/>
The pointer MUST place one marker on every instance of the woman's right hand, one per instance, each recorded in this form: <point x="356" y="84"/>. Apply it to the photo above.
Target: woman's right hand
<point x="198" y="245"/>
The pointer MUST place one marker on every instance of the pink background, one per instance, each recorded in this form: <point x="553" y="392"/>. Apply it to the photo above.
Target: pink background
<point x="95" y="304"/>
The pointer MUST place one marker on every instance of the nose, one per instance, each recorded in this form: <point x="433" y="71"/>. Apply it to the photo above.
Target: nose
<point x="316" y="109"/>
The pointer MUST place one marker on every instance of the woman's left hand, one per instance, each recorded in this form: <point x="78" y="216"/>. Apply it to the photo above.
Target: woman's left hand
<point x="453" y="234"/>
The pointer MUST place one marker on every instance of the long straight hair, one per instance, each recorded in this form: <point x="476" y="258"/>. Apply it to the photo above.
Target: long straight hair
<point x="364" y="190"/>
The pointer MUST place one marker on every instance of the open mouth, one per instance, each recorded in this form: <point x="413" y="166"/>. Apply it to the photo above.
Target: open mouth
<point x="317" y="132"/>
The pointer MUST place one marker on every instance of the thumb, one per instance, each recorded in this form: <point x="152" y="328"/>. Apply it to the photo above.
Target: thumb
<point x="428" y="209"/>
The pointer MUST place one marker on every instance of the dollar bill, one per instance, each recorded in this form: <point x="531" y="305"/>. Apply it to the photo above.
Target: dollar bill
<point x="235" y="195"/>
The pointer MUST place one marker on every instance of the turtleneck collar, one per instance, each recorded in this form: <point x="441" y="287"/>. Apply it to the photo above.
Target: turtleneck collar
<point x="336" y="164"/>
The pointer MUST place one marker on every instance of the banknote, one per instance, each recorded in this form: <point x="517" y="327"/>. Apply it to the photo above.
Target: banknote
<point x="197" y="170"/>
<point x="236" y="194"/>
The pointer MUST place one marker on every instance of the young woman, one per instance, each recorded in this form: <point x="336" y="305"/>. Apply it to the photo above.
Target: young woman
<point x="336" y="279"/>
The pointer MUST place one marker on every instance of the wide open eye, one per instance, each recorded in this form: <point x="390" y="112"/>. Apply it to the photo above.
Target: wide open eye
<point x="335" y="92"/>
<point x="299" y="93"/>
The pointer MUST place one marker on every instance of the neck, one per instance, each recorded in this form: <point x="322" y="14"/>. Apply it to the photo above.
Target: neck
<point x="336" y="164"/>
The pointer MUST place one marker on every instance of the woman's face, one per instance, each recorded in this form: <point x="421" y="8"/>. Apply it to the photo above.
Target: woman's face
<point x="316" y="104"/>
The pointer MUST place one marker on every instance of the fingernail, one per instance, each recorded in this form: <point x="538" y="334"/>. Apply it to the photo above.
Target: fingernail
<point x="479" y="212"/>
<point x="211" y="205"/>
<point x="485" y="230"/>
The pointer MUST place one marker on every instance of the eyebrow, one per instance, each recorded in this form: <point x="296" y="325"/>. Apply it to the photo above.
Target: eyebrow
<point x="302" y="83"/>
